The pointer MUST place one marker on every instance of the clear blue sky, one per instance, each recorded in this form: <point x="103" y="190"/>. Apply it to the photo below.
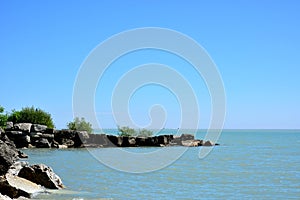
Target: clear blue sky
<point x="255" y="45"/>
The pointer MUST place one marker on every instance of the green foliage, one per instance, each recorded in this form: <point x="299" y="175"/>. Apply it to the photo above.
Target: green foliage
<point x="145" y="133"/>
<point x="80" y="125"/>
<point x="130" y="132"/>
<point x="126" y="131"/>
<point x="3" y="118"/>
<point x="31" y="115"/>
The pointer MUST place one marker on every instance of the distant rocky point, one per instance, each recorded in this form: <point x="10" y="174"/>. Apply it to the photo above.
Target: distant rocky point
<point x="34" y="135"/>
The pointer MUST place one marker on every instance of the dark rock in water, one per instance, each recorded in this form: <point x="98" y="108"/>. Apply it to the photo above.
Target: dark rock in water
<point x="81" y="137"/>
<point x="66" y="137"/>
<point x="42" y="175"/>
<point x="38" y="128"/>
<point x="42" y="143"/>
<point x="14" y="186"/>
<point x="115" y="140"/>
<point x="8" y="155"/>
<point x="98" y="140"/>
<point x="68" y="142"/>
<point x="25" y="127"/>
<point x="128" y="142"/>
<point x="140" y="141"/>
<point x="187" y="137"/>
<point x="22" y="154"/>
<point x="208" y="144"/>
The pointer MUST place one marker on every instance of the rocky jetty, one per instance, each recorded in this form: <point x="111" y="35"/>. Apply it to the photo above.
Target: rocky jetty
<point x="17" y="178"/>
<point x="39" y="136"/>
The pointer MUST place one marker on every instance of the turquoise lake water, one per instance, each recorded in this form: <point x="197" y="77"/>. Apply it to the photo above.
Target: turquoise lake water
<point x="247" y="165"/>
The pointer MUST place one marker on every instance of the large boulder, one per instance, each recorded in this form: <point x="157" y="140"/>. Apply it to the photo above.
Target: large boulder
<point x="42" y="175"/>
<point x="81" y="137"/>
<point x="9" y="125"/>
<point x="42" y="143"/>
<point x="8" y="155"/>
<point x="14" y="186"/>
<point x="115" y="140"/>
<point x="67" y="137"/>
<point x="26" y="127"/>
<point x="38" y="128"/>
<point x="128" y="142"/>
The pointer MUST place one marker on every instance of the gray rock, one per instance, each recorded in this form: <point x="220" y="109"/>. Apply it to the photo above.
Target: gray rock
<point x="16" y="167"/>
<point x="9" y="125"/>
<point x="98" y="139"/>
<point x="61" y="146"/>
<point x="35" y="134"/>
<point x="4" y="197"/>
<point x="14" y="186"/>
<point x="8" y="155"/>
<point x="38" y="128"/>
<point x="83" y="136"/>
<point x="162" y="139"/>
<point x="22" y="141"/>
<point x="42" y="175"/>
<point x="208" y="144"/>
<point x="49" y="137"/>
<point x="68" y="142"/>
<point x="187" y="137"/>
<point x="14" y="134"/>
<point x="42" y="143"/>
<point x="26" y="127"/>
<point x="115" y="140"/>
<point x="66" y="137"/>
<point x="192" y="143"/>
<point x="128" y="142"/>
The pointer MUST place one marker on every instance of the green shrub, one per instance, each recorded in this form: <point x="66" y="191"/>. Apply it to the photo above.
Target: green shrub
<point x="31" y="115"/>
<point x="3" y="118"/>
<point x="80" y="125"/>
<point x="130" y="132"/>
<point x="126" y="131"/>
<point x="145" y="133"/>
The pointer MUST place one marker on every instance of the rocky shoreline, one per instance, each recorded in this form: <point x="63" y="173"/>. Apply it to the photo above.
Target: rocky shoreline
<point x="18" y="180"/>
<point x="27" y="135"/>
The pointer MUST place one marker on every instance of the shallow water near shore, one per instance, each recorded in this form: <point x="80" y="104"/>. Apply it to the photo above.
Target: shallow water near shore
<point x="250" y="164"/>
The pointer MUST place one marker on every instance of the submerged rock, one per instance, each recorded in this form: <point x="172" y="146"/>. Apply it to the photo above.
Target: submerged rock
<point x="42" y="175"/>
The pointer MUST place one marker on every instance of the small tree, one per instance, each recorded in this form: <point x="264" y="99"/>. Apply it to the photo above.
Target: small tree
<point x="126" y="131"/>
<point x="80" y="125"/>
<point x="145" y="133"/>
<point x="3" y="118"/>
<point x="31" y="115"/>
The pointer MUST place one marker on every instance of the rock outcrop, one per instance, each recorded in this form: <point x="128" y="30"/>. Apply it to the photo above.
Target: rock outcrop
<point x="41" y="175"/>
<point x="35" y="178"/>
<point x="8" y="154"/>
<point x="14" y="186"/>
<point x="35" y="135"/>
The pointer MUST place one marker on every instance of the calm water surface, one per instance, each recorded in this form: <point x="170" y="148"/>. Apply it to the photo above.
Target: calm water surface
<point x="247" y="165"/>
